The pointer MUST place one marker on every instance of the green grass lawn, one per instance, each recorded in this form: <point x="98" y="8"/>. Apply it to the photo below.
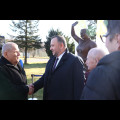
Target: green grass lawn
<point x="37" y="69"/>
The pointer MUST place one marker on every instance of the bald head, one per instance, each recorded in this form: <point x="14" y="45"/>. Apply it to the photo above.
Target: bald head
<point x="11" y="52"/>
<point x="97" y="53"/>
<point x="8" y="47"/>
<point x="93" y="57"/>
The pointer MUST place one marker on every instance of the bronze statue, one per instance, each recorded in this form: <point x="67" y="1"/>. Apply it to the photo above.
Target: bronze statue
<point x="84" y="43"/>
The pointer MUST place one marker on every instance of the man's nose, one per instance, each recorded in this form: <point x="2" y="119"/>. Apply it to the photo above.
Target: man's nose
<point x="50" y="48"/>
<point x="18" y="53"/>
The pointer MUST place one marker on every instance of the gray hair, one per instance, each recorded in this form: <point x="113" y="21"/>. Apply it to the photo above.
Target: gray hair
<point x="8" y="47"/>
<point x="113" y="27"/>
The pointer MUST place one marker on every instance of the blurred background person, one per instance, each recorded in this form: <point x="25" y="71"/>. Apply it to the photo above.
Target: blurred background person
<point x="93" y="57"/>
<point x="104" y="81"/>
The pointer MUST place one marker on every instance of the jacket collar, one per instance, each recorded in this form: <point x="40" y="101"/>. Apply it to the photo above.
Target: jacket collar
<point x="5" y="61"/>
<point x="63" y="59"/>
<point x="112" y="59"/>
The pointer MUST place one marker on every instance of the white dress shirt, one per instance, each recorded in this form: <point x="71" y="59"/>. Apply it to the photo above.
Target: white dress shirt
<point x="59" y="58"/>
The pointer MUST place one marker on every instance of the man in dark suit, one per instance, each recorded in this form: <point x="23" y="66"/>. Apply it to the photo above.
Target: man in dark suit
<point x="63" y="79"/>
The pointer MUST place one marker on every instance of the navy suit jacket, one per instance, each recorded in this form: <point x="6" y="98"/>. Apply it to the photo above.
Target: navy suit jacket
<point x="66" y="82"/>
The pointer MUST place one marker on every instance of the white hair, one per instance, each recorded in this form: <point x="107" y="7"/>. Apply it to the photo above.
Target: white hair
<point x="8" y="47"/>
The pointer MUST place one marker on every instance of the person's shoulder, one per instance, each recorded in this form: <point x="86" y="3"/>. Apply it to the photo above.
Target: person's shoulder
<point x="98" y="73"/>
<point x="3" y="71"/>
<point x="0" y="68"/>
<point x="51" y="58"/>
<point x="110" y="59"/>
<point x="115" y="54"/>
<point x="93" y="43"/>
<point x="103" y="68"/>
<point x="0" y="62"/>
<point x="71" y="55"/>
<point x="75" y="57"/>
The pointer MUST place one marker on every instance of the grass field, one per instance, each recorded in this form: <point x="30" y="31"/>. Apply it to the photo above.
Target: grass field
<point x="37" y="68"/>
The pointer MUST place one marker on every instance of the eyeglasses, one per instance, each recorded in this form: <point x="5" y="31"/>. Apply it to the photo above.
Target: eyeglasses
<point x="103" y="39"/>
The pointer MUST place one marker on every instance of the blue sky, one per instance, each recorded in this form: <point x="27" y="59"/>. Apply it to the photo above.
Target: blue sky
<point x="44" y="27"/>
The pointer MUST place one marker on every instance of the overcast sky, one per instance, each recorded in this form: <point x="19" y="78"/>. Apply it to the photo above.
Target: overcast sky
<point x="44" y="27"/>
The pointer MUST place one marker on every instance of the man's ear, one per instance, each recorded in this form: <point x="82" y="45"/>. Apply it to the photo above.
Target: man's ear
<point x="61" y="45"/>
<point x="96" y="61"/>
<point x="5" y="54"/>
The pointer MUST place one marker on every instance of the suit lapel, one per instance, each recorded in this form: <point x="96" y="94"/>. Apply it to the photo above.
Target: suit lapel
<point x="63" y="59"/>
<point x="60" y="64"/>
<point x="52" y="63"/>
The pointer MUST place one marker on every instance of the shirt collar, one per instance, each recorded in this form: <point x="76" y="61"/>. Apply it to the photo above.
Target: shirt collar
<point x="61" y="55"/>
<point x="59" y="58"/>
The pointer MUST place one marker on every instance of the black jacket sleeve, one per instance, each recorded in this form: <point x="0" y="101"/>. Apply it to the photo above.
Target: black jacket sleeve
<point x="39" y="84"/>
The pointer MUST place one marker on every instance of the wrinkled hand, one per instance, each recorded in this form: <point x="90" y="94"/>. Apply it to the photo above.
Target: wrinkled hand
<point x="31" y="89"/>
<point x="74" y="24"/>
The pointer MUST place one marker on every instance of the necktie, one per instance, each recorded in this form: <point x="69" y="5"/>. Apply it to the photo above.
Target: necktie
<point x="54" y="66"/>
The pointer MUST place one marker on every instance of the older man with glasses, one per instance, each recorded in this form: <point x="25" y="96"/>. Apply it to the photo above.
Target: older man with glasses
<point x="104" y="81"/>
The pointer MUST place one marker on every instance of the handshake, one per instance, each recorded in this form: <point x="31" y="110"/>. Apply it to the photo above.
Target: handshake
<point x="31" y="89"/>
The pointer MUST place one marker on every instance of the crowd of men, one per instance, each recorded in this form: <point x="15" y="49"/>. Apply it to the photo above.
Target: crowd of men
<point x="91" y="75"/>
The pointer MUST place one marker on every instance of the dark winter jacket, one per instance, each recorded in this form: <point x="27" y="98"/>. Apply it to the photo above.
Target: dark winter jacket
<point x="66" y="82"/>
<point x="104" y="81"/>
<point x="12" y="81"/>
